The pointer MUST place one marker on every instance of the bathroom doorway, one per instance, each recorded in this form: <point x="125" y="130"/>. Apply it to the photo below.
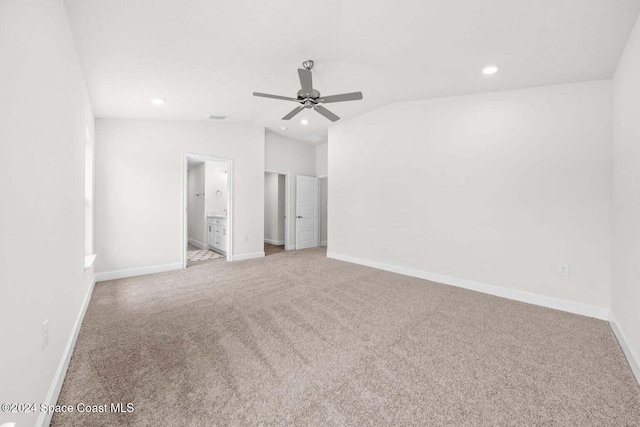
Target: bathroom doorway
<point x="207" y="210"/>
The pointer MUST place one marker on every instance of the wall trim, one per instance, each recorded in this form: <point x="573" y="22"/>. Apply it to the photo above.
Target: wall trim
<point x="242" y="257"/>
<point x="274" y="242"/>
<point x="323" y="243"/>
<point x="633" y="359"/>
<point x="530" y="298"/>
<point x="140" y="271"/>
<point x="194" y="242"/>
<point x="44" y="419"/>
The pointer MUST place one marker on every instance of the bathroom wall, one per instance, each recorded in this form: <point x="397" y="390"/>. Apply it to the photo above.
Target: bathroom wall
<point x="216" y="180"/>
<point x="196" y="205"/>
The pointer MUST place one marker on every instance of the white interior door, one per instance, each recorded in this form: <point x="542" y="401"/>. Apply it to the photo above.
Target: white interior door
<point x="306" y="212"/>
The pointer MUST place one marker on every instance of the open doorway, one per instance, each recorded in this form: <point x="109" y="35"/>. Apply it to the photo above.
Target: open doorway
<point x="207" y="213"/>
<point x="276" y="206"/>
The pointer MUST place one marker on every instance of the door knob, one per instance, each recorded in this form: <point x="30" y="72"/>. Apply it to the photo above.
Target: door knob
<point x="299" y="216"/>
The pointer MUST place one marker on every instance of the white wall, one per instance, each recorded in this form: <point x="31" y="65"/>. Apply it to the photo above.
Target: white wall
<point x="324" y="194"/>
<point x="282" y="211"/>
<point x="271" y="207"/>
<point x="625" y="299"/>
<point x="295" y="157"/>
<point x="196" y="208"/>
<point x="322" y="158"/>
<point x="139" y="175"/>
<point x="497" y="188"/>
<point x="44" y="114"/>
<point x="216" y="180"/>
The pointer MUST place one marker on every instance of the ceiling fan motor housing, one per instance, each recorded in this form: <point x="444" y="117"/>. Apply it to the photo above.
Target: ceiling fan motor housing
<point x="312" y="97"/>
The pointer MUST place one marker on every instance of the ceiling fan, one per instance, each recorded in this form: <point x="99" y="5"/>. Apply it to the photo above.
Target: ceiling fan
<point x="308" y="97"/>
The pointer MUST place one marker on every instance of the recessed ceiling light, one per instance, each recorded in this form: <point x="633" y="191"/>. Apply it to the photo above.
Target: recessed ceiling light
<point x="304" y="121"/>
<point x="490" y="69"/>
<point x="157" y="101"/>
<point x="283" y="128"/>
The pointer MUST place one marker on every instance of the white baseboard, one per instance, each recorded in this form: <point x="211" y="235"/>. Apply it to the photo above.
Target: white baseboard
<point x="132" y="272"/>
<point x="201" y="245"/>
<point x="323" y="243"/>
<point x="633" y="359"/>
<point x="242" y="257"/>
<point x="44" y="419"/>
<point x="536" y="299"/>
<point x="274" y="242"/>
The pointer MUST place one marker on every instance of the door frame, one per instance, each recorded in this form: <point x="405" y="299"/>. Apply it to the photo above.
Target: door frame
<point x="185" y="217"/>
<point x="287" y="207"/>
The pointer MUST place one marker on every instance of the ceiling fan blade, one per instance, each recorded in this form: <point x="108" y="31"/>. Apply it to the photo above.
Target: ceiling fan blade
<point x="293" y="113"/>
<point x="266" y="95"/>
<point x="353" y="96"/>
<point x="306" y="82"/>
<point x="328" y="114"/>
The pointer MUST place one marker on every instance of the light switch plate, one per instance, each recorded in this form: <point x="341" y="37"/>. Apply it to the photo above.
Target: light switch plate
<point x="563" y="269"/>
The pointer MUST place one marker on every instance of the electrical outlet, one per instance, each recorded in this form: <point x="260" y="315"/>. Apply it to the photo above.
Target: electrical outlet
<point x="245" y="239"/>
<point x="45" y="334"/>
<point x="563" y="269"/>
<point x="117" y="250"/>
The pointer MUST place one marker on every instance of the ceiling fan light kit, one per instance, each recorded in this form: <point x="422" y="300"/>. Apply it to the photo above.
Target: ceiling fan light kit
<point x="310" y="98"/>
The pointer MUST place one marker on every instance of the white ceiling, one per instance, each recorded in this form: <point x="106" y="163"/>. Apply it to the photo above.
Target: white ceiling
<point x="207" y="57"/>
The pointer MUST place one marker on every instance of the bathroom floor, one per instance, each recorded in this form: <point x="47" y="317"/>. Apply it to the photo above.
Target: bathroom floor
<point x="197" y="256"/>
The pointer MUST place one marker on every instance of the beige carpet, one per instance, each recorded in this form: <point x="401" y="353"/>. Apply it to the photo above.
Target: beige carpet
<point x="299" y="339"/>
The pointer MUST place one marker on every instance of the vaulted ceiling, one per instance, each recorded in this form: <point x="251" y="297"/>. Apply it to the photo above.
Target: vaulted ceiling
<point x="207" y="57"/>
